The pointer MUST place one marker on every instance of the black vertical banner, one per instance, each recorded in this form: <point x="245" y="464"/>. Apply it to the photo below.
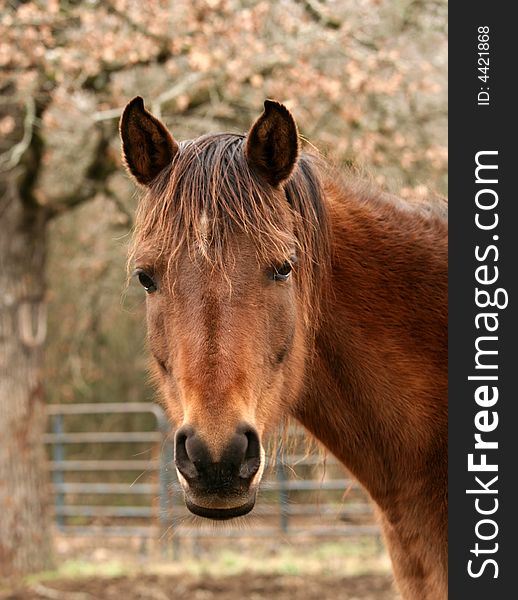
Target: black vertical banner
<point x="483" y="246"/>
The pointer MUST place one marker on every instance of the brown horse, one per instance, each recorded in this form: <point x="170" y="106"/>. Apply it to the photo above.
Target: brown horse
<point x="276" y="288"/>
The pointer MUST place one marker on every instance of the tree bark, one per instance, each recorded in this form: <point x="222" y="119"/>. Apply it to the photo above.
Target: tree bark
<point x="25" y="541"/>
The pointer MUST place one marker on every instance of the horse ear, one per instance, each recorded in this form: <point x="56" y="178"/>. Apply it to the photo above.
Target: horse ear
<point x="147" y="145"/>
<point x="272" y="144"/>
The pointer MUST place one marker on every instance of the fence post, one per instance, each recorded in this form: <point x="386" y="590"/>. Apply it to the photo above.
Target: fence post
<point x="280" y="469"/>
<point x="165" y="465"/>
<point x="58" y="477"/>
<point x="170" y="470"/>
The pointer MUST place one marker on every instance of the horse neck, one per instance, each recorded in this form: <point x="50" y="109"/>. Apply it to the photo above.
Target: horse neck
<point x="376" y="390"/>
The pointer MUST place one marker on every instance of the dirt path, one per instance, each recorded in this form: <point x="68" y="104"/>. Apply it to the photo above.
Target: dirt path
<point x="245" y="586"/>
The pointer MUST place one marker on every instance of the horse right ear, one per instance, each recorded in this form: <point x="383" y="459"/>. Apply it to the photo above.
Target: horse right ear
<point x="272" y="144"/>
<point x="147" y="145"/>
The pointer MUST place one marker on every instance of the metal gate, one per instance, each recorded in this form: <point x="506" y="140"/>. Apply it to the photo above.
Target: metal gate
<point x="68" y="512"/>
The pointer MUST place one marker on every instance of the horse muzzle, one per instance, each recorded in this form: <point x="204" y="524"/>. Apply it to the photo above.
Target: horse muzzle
<point x="224" y="488"/>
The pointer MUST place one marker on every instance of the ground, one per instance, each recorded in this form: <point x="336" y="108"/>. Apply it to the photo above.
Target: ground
<point x="212" y="569"/>
<point x="250" y="586"/>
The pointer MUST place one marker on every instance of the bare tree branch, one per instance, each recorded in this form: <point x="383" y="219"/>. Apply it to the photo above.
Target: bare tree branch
<point x="138" y="27"/>
<point x="314" y="11"/>
<point x="107" y="115"/>
<point x="181" y="87"/>
<point x="94" y="182"/>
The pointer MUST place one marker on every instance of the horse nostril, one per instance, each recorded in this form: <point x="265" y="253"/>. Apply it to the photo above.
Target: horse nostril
<point x="182" y="458"/>
<point x="252" y="458"/>
<point x="253" y="449"/>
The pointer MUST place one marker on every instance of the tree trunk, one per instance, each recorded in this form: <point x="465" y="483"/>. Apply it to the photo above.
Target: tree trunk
<point x="25" y="541"/>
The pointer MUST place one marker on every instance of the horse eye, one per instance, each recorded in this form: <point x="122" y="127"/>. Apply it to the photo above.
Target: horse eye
<point x="283" y="272"/>
<point x="147" y="282"/>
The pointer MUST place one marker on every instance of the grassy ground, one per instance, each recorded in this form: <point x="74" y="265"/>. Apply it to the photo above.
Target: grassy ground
<point x="329" y="570"/>
<point x="344" y="558"/>
<point x="214" y="559"/>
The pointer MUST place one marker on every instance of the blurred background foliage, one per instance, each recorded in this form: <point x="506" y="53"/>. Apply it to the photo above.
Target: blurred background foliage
<point x="365" y="79"/>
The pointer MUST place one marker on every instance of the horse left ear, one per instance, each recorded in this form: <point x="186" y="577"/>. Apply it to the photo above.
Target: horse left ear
<point x="147" y="145"/>
<point x="272" y="145"/>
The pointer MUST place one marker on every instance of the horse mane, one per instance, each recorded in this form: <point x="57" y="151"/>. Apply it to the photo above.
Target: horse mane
<point x="209" y="193"/>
